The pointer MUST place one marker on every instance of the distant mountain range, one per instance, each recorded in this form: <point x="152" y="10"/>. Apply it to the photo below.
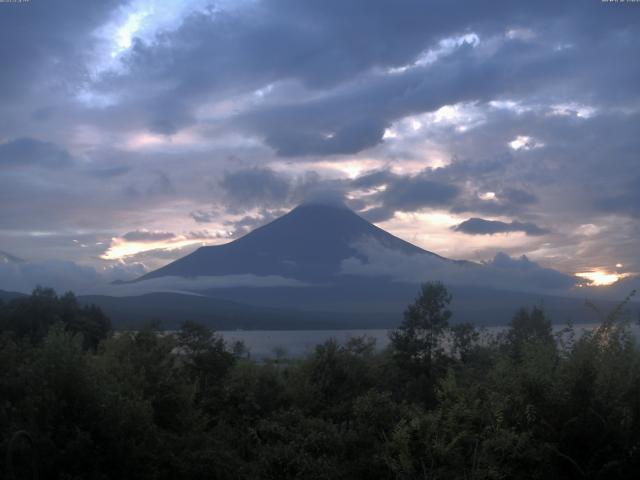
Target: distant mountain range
<point x="8" y="258"/>
<point x="7" y="296"/>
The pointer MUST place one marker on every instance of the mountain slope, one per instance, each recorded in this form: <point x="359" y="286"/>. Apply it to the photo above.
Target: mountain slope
<point x="308" y="243"/>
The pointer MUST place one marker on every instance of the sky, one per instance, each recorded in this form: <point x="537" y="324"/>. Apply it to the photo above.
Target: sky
<point x="132" y="132"/>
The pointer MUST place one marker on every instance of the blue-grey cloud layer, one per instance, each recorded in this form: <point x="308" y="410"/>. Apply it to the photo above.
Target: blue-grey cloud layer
<point x="262" y="83"/>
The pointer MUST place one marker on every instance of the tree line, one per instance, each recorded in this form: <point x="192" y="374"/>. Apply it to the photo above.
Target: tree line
<point x="442" y="401"/>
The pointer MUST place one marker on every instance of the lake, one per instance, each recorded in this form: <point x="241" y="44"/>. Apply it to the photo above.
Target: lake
<point x="296" y="343"/>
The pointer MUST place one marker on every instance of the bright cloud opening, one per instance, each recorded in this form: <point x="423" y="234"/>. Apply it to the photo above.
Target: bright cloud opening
<point x="524" y="142"/>
<point x="446" y="46"/>
<point x="121" y="248"/>
<point x="601" y="277"/>
<point x="487" y="196"/>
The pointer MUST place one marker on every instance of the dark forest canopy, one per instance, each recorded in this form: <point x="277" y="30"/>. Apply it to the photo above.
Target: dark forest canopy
<point x="77" y="402"/>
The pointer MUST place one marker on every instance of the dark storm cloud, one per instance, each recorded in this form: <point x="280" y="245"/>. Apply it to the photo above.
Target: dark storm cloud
<point x="45" y="45"/>
<point x="332" y="136"/>
<point x="355" y="117"/>
<point x="318" y="43"/>
<point x="24" y="152"/>
<point x="263" y="187"/>
<point x="404" y="193"/>
<point x="322" y="43"/>
<point x="446" y="188"/>
<point x="414" y="193"/>
<point x="255" y="187"/>
<point x="341" y="50"/>
<point x="480" y="226"/>
<point x="269" y="190"/>
<point x="518" y="196"/>
<point x="374" y="179"/>
<point x="625" y="199"/>
<point x="596" y="156"/>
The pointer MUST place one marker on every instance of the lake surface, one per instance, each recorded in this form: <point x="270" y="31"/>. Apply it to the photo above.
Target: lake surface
<point x="296" y="343"/>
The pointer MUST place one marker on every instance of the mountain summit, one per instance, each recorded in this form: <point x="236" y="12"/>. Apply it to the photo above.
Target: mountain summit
<point x="308" y="243"/>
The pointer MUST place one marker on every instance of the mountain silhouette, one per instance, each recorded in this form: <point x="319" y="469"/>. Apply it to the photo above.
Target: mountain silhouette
<point x="307" y="248"/>
<point x="308" y="243"/>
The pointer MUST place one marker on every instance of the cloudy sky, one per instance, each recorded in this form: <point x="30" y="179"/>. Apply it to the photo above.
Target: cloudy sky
<point x="132" y="132"/>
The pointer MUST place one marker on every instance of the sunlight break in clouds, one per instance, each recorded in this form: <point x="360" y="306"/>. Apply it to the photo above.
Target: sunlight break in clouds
<point x="524" y="142"/>
<point x="140" y="19"/>
<point x="600" y="278"/>
<point x="121" y="248"/>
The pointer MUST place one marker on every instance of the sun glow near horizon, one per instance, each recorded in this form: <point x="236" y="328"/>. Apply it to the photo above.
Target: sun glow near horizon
<point x="601" y="278"/>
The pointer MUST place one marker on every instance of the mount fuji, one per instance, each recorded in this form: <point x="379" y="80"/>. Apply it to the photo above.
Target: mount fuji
<point x="324" y="266"/>
<point x="309" y="244"/>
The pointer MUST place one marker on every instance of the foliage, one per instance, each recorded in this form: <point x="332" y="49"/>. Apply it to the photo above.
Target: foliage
<point x="416" y="342"/>
<point x="441" y="402"/>
<point x="31" y="318"/>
